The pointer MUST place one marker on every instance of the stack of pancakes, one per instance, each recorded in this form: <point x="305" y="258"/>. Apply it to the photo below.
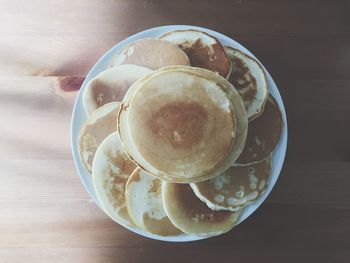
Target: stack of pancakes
<point x="180" y="134"/>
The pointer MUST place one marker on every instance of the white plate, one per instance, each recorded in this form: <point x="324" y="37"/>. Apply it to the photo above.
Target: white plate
<point x="79" y="117"/>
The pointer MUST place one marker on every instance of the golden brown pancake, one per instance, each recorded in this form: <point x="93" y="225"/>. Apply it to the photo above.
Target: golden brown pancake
<point x="203" y="50"/>
<point x="193" y="216"/>
<point x="100" y="124"/>
<point x="145" y="204"/>
<point x="264" y="133"/>
<point x="236" y="100"/>
<point x="111" y="169"/>
<point x="236" y="187"/>
<point x="180" y="125"/>
<point x="249" y="79"/>
<point x="151" y="53"/>
<point x="111" y="85"/>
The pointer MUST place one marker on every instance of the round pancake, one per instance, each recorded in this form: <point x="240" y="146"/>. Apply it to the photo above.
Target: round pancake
<point x="236" y="100"/>
<point x="111" y="169"/>
<point x="203" y="50"/>
<point x="100" y="124"/>
<point x="144" y="202"/>
<point x="151" y="53"/>
<point x="111" y="85"/>
<point x="188" y="136"/>
<point x="263" y="134"/>
<point x="249" y="79"/>
<point x="236" y="187"/>
<point x="193" y="216"/>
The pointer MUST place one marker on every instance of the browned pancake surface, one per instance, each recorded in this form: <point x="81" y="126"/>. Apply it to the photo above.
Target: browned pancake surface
<point x="264" y="133"/>
<point x="193" y="216"/>
<point x="203" y="50"/>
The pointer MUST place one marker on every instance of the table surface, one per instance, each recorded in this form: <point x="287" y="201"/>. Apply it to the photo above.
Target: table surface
<point x="45" y="213"/>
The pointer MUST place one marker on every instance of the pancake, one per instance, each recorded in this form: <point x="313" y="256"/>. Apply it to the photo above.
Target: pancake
<point x="111" y="169"/>
<point x="180" y="125"/>
<point x="249" y="78"/>
<point x="203" y="50"/>
<point x="191" y="215"/>
<point x="100" y="124"/>
<point x="236" y="100"/>
<point x="151" y="53"/>
<point x="111" y="85"/>
<point x="263" y="134"/>
<point x="236" y="187"/>
<point x="145" y="204"/>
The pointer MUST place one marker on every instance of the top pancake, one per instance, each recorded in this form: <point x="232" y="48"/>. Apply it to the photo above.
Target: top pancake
<point x="180" y="125"/>
<point x="203" y="50"/>
<point x="111" y="85"/>
<point x="237" y="103"/>
<point x="151" y="53"/>
<point x="263" y="134"/>
<point x="249" y="79"/>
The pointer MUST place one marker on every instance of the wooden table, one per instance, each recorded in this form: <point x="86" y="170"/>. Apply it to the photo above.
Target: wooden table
<point x="45" y="213"/>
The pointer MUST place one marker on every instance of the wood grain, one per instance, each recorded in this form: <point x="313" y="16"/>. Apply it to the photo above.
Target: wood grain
<point x="45" y="213"/>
